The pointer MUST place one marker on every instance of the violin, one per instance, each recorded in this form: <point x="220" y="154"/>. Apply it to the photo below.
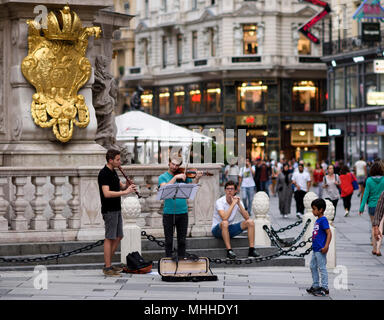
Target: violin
<point x="192" y="172"/>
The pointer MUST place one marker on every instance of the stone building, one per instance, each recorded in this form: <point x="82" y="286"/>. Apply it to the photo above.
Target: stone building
<point x="233" y="64"/>
<point x="353" y="53"/>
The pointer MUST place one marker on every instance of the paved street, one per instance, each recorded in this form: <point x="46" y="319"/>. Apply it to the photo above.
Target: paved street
<point x="363" y="272"/>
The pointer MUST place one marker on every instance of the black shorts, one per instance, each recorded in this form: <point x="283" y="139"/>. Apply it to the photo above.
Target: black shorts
<point x="113" y="225"/>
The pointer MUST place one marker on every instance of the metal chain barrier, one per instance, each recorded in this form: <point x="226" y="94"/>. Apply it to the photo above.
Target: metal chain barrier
<point x="54" y="256"/>
<point x="290" y="243"/>
<point x="297" y="223"/>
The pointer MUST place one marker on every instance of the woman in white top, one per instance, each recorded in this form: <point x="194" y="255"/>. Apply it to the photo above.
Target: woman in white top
<point x="247" y="184"/>
<point x="331" y="182"/>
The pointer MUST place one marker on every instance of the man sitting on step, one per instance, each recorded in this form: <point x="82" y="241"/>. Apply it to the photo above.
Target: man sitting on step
<point x="223" y="226"/>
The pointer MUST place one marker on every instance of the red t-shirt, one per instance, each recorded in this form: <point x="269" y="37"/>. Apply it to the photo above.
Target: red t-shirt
<point x="318" y="175"/>
<point x="346" y="184"/>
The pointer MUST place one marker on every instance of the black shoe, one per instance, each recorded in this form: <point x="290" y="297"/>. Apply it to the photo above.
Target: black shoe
<point x="252" y="253"/>
<point x="311" y="290"/>
<point x="326" y="291"/>
<point x="231" y="254"/>
<point x="319" y="292"/>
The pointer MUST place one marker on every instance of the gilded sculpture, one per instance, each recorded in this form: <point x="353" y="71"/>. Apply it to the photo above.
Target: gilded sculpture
<point x="57" y="67"/>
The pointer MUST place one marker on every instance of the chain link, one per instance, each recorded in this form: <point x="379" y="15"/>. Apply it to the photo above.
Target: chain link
<point x="290" y="243"/>
<point x="297" y="223"/>
<point x="54" y="256"/>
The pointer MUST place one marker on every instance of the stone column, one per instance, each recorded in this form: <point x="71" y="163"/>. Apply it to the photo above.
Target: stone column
<point x="3" y="205"/>
<point x="154" y="218"/>
<point x="58" y="221"/>
<point x="74" y="204"/>
<point x="260" y="207"/>
<point x="130" y="209"/>
<point x="19" y="223"/>
<point x="308" y="198"/>
<point x="38" y="204"/>
<point x="331" y="255"/>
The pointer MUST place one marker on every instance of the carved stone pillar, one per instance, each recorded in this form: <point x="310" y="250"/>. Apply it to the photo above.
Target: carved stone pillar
<point x="3" y="205"/>
<point x="260" y="207"/>
<point x="38" y="204"/>
<point x="74" y="204"/>
<point x="308" y="198"/>
<point x="154" y="218"/>
<point x="19" y="223"/>
<point x="58" y="221"/>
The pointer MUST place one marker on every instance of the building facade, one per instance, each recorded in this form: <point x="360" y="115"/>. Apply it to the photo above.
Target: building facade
<point x="355" y="108"/>
<point x="233" y="65"/>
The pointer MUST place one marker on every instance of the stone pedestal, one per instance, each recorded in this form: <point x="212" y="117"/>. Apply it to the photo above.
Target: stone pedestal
<point x="308" y="198"/>
<point x="130" y="209"/>
<point x="331" y="255"/>
<point x="260" y="207"/>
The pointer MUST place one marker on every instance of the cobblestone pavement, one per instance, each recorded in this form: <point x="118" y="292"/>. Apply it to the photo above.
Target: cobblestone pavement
<point x="362" y="273"/>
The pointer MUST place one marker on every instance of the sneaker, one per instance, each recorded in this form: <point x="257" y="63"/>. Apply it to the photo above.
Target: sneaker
<point x="252" y="253"/>
<point x="110" y="272"/>
<point x="285" y="216"/>
<point x="117" y="268"/>
<point x="311" y="290"/>
<point x="299" y="215"/>
<point x="346" y="213"/>
<point x="231" y="254"/>
<point x="319" y="292"/>
<point x="326" y="291"/>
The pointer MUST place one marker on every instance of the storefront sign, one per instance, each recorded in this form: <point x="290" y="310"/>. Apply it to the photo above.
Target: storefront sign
<point x="371" y="32"/>
<point x="375" y="98"/>
<point x="369" y="9"/>
<point x="334" y="132"/>
<point x="320" y="129"/>
<point x="305" y="28"/>
<point x="378" y="66"/>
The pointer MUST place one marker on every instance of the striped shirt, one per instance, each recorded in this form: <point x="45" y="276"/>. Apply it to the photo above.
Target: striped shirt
<point x="379" y="212"/>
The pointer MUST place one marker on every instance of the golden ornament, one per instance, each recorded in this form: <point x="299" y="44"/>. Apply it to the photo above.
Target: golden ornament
<point x="57" y="67"/>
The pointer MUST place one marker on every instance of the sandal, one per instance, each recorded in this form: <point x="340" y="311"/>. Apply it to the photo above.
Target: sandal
<point x="374" y="253"/>
<point x="378" y="254"/>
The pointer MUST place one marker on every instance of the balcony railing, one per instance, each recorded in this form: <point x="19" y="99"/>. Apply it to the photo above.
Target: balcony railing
<point x="347" y="45"/>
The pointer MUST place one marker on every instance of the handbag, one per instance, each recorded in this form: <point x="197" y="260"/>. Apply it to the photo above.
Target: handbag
<point x="355" y="185"/>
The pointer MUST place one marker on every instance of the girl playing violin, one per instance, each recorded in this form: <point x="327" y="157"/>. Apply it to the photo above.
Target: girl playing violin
<point x="175" y="212"/>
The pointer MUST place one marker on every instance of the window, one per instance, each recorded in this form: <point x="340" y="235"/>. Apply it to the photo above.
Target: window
<point x="212" y="40"/>
<point x="146" y="58"/>
<point x="194" y="98"/>
<point x="146" y="101"/>
<point x="126" y="7"/>
<point x="164" y="40"/>
<point x="194" y="4"/>
<point x="165" y="5"/>
<point x="304" y="96"/>
<point x="352" y="87"/>
<point x="164" y="101"/>
<point x="303" y="45"/>
<point x="250" y="39"/>
<point x="212" y="2"/>
<point x="252" y="96"/>
<point x="179" y="99"/>
<point x="339" y="91"/>
<point x="194" y="45"/>
<point x="146" y="9"/>
<point x="179" y="44"/>
<point x="212" y="97"/>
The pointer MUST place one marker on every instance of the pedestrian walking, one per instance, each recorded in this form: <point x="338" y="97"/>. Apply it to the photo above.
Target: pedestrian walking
<point x="361" y="174"/>
<point x="284" y="190"/>
<point x="247" y="184"/>
<point x="373" y="189"/>
<point x="377" y="224"/>
<point x="321" y="238"/>
<point x="346" y="186"/>
<point x="318" y="176"/>
<point x="265" y="173"/>
<point x="274" y="174"/>
<point x="232" y="171"/>
<point x="302" y="182"/>
<point x="331" y="184"/>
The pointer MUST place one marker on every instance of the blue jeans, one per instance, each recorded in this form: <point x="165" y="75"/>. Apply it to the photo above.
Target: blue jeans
<point x="319" y="263"/>
<point x="247" y="194"/>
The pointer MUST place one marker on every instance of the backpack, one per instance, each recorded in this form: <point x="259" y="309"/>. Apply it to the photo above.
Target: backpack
<point x="137" y="264"/>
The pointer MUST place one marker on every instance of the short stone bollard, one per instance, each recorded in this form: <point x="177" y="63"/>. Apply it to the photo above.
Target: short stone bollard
<point x="330" y="214"/>
<point x="308" y="198"/>
<point x="260" y="207"/>
<point x="131" y="241"/>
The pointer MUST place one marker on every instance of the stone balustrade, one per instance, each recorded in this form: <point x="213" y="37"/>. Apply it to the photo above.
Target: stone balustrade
<point x="63" y="204"/>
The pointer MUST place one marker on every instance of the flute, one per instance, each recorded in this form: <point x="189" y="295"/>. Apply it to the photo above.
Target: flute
<point x="129" y="181"/>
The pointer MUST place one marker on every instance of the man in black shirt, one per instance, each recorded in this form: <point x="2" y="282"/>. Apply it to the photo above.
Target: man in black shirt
<point x="111" y="190"/>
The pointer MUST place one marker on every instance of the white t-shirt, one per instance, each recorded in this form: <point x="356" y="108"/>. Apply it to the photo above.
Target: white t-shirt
<point x="222" y="204"/>
<point x="360" y="165"/>
<point x="232" y="171"/>
<point x="247" y="176"/>
<point x="301" y="179"/>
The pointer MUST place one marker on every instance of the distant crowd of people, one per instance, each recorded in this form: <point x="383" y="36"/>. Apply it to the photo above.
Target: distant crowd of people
<point x="294" y="178"/>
